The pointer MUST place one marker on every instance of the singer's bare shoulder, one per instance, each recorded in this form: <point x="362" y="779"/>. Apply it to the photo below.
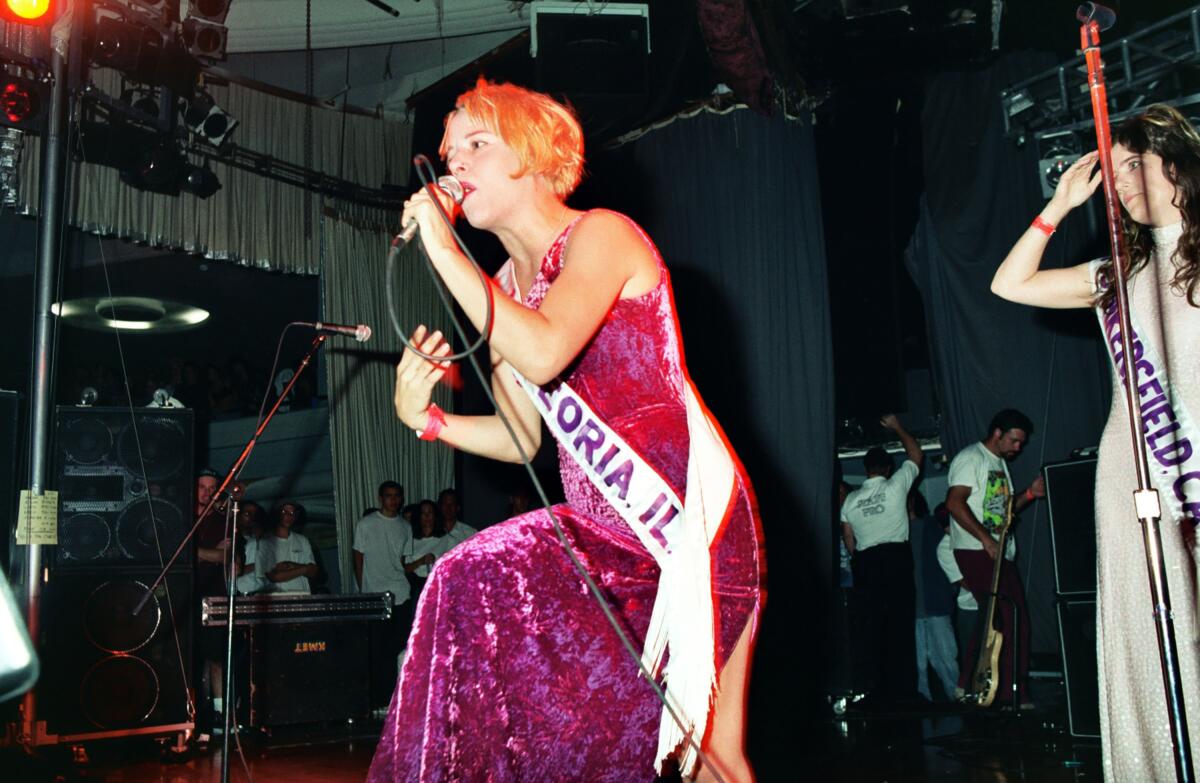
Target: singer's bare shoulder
<point x="614" y="244"/>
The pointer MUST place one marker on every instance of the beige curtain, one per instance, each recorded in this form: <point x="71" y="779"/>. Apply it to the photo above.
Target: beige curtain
<point x="252" y="219"/>
<point x="369" y="443"/>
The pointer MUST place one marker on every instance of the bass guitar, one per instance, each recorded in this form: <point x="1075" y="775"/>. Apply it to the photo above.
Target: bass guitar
<point x="986" y="679"/>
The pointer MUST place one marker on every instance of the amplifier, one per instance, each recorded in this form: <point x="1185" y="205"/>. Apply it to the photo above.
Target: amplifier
<point x="292" y="608"/>
<point x="308" y="672"/>
<point x="1077" y="638"/>
<point x="1070" y="498"/>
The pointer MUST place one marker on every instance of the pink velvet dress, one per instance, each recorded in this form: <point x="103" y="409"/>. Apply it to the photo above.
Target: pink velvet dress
<point x="513" y="672"/>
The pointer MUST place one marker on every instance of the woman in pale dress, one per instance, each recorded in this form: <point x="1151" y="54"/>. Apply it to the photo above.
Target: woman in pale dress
<point x="1156" y="164"/>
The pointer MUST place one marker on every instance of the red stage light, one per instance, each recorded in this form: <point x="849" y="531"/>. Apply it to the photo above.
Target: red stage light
<point x="25" y="11"/>
<point x="22" y="103"/>
<point x="18" y="103"/>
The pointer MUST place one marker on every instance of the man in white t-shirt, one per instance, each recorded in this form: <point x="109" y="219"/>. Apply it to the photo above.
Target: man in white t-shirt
<point x="977" y="500"/>
<point x="456" y="531"/>
<point x="381" y="539"/>
<point x="284" y="557"/>
<point x="875" y="529"/>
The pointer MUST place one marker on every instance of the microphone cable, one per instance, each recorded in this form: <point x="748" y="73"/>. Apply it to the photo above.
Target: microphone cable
<point x="427" y="176"/>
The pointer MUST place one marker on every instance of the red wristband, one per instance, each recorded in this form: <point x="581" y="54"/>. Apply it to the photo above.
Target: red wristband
<point x="1030" y="496"/>
<point x="1046" y="228"/>
<point x="434" y="424"/>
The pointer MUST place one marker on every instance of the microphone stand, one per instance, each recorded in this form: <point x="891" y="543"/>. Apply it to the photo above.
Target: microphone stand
<point x="1145" y="498"/>
<point x="238" y="465"/>
<point x="230" y="703"/>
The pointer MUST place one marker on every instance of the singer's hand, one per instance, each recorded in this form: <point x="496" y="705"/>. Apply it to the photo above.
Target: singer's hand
<point x="416" y="377"/>
<point x="434" y="233"/>
<point x="1078" y="183"/>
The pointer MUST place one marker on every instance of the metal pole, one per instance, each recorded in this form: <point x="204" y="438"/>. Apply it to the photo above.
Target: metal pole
<point x="50" y="229"/>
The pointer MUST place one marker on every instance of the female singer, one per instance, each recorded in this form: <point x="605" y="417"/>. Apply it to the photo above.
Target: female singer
<point x="513" y="672"/>
<point x="1156" y="163"/>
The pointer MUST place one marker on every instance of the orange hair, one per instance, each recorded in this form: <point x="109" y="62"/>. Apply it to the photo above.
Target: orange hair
<point x="543" y="133"/>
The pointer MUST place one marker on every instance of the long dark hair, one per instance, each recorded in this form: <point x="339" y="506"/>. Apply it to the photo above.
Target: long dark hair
<point x="1163" y="131"/>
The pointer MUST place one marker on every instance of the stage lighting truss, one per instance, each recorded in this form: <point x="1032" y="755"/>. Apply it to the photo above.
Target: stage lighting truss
<point x="206" y="120"/>
<point x="142" y="47"/>
<point x="1058" y="148"/>
<point x="1140" y="68"/>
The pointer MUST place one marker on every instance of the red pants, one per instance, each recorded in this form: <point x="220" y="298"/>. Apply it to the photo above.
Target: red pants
<point x="976" y="568"/>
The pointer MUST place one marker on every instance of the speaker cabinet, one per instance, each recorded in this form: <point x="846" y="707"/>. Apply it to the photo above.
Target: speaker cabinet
<point x="1070" y="498"/>
<point x="108" y="671"/>
<point x="125" y="485"/>
<point x="1077" y="638"/>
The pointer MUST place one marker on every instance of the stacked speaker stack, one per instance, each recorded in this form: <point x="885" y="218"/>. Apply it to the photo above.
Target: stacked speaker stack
<point x="1070" y="493"/>
<point x="125" y="485"/>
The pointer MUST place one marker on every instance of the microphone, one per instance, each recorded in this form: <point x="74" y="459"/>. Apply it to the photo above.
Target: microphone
<point x="452" y="188"/>
<point x="360" y="332"/>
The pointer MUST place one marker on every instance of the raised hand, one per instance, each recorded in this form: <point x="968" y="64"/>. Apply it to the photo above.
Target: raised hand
<point x="1078" y="182"/>
<point x="416" y="376"/>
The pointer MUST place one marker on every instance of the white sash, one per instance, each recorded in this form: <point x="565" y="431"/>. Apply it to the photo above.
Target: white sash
<point x="1170" y="434"/>
<point x="677" y="534"/>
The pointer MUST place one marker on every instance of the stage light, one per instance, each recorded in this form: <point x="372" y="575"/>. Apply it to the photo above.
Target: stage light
<point x="200" y="181"/>
<point x="130" y="313"/>
<point x="27" y="11"/>
<point x="119" y="45"/>
<point x="156" y="169"/>
<point x="209" y="10"/>
<point x="21" y="103"/>
<point x="205" y="39"/>
<point x="206" y="119"/>
<point x="140" y="53"/>
<point x="146" y="160"/>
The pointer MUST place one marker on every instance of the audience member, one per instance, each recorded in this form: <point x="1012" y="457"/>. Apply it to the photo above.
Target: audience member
<point x="381" y="540"/>
<point x="966" y="608"/>
<point x="425" y="546"/>
<point x="285" y="557"/>
<point x="251" y="526"/>
<point x="212" y="546"/>
<point x="455" y="532"/>
<point x="520" y="500"/>
<point x="936" y="646"/>
<point x="875" y="531"/>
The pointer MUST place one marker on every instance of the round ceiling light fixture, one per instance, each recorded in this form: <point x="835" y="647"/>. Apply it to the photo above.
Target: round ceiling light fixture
<point x="129" y="313"/>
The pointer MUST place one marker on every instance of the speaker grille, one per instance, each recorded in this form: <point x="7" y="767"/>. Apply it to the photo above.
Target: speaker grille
<point x="84" y="537"/>
<point x="109" y="621"/>
<point x="118" y="692"/>
<point x="148" y="527"/>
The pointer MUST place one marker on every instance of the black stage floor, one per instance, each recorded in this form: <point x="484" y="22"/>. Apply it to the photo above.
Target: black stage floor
<point x="913" y="746"/>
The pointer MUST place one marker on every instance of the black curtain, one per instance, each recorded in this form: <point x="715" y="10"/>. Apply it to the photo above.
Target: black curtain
<point x="733" y="203"/>
<point x="982" y="191"/>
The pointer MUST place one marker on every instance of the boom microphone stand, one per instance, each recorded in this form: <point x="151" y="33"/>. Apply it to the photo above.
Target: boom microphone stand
<point x="229" y="478"/>
<point x="1095" y="17"/>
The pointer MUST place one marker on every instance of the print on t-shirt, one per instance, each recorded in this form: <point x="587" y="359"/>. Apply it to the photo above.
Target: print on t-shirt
<point x="995" y="500"/>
